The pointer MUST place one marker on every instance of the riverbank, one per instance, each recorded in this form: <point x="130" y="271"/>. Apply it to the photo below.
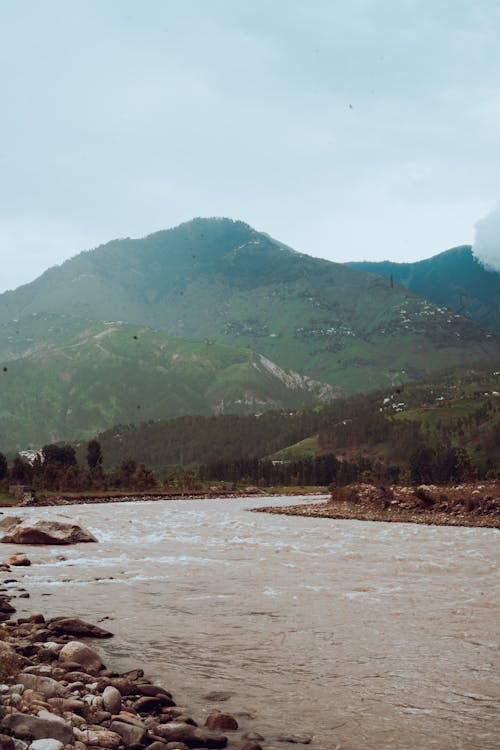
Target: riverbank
<point x="56" y="689"/>
<point x="91" y="498"/>
<point x="474" y="504"/>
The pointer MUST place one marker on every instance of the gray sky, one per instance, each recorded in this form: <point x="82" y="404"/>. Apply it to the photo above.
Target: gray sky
<point x="349" y="129"/>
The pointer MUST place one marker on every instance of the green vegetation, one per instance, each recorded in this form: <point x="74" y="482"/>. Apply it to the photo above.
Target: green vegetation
<point x="118" y="373"/>
<point x="454" y="278"/>
<point x="176" y="324"/>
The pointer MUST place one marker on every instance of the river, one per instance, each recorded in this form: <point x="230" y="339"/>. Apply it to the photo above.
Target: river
<point x="363" y="635"/>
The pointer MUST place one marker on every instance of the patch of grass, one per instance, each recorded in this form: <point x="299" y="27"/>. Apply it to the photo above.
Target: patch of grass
<point x="6" y="500"/>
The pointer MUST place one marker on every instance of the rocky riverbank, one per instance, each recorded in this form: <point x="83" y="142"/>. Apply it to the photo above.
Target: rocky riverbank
<point x="56" y="694"/>
<point x="468" y="504"/>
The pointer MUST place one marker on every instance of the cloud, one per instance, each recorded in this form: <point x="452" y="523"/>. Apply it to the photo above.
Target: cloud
<point x="486" y="246"/>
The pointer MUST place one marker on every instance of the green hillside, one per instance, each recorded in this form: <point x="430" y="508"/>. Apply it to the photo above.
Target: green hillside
<point x="459" y="410"/>
<point x="221" y="280"/>
<point x="454" y="278"/>
<point x="117" y="373"/>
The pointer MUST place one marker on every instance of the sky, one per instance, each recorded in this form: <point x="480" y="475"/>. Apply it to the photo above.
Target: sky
<point x="347" y="129"/>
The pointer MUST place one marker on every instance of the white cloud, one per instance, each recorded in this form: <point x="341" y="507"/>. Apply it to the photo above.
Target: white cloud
<point x="487" y="240"/>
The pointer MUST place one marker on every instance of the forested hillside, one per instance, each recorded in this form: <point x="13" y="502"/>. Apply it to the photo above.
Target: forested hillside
<point x="455" y="278"/>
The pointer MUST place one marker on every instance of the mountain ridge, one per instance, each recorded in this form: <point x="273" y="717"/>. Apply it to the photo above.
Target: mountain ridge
<point x="455" y="278"/>
<point x="218" y="282"/>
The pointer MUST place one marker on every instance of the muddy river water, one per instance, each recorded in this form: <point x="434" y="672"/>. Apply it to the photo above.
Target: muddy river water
<point x="363" y="635"/>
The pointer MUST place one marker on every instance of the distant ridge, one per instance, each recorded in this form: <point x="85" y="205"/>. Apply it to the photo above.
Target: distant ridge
<point x="454" y="278"/>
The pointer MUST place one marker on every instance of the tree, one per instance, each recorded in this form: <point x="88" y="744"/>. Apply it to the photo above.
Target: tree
<point x="21" y="471"/>
<point x="94" y="454"/>
<point x="61" y="455"/>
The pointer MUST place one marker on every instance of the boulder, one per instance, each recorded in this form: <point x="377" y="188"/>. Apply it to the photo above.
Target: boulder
<point x="75" y="652"/>
<point x="218" y="720"/>
<point x="10" y="522"/>
<point x="34" y="728"/>
<point x="47" y="745"/>
<point x="130" y="733"/>
<point x="151" y="703"/>
<point x="98" y="737"/>
<point x="18" y="560"/>
<point x="75" y="626"/>
<point x="177" y="731"/>
<point x="47" y="532"/>
<point x="7" y="743"/>
<point x="112" y="700"/>
<point x="45" y="686"/>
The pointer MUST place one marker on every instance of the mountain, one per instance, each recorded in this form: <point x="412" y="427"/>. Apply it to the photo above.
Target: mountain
<point x="117" y="373"/>
<point x="215" y="284"/>
<point x="455" y="278"/>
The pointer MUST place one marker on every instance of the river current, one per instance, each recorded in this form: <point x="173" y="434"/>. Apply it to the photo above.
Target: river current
<point x="363" y="635"/>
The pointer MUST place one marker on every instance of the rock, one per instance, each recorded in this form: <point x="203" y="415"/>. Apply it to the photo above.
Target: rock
<point x="162" y="745"/>
<point x="5" y="607"/>
<point x="176" y="731"/>
<point x="35" y="728"/>
<point x="6" y="742"/>
<point x="47" y="532"/>
<point x="130" y="734"/>
<point x="251" y="745"/>
<point x="75" y="652"/>
<point x="112" y="700"/>
<point x="98" y="737"/>
<point x="146" y="689"/>
<point x="175" y="746"/>
<point x="72" y="705"/>
<point x="49" y="744"/>
<point x="75" y="626"/>
<point x="149" y="704"/>
<point x="217" y="720"/>
<point x="10" y="522"/>
<point x="18" y="560"/>
<point x="46" y="686"/>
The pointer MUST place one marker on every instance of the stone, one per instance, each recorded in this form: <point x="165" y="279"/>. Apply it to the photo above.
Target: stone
<point x="47" y="532"/>
<point x="68" y="704"/>
<point x="176" y="746"/>
<point x="130" y="734"/>
<point x="176" y="731"/>
<point x="146" y="689"/>
<point x="18" y="560"/>
<point x="10" y="522"/>
<point x="112" y="700"/>
<point x="251" y="745"/>
<point x="148" y="704"/>
<point x="75" y="626"/>
<point x="217" y="720"/>
<point x="6" y="742"/>
<point x="45" y="686"/>
<point x="98" y="737"/>
<point x="79" y="653"/>
<point x="160" y="745"/>
<point x="35" y="728"/>
<point x="48" y="744"/>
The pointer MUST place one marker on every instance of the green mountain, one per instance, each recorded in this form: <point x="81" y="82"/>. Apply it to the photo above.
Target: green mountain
<point x="216" y="284"/>
<point x="117" y="373"/>
<point x="455" y="278"/>
<point x="222" y="280"/>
